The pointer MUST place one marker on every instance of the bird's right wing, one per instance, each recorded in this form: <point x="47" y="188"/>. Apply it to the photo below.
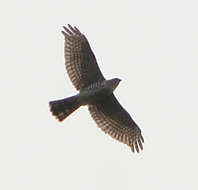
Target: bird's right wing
<point x="113" y="119"/>
<point x="81" y="64"/>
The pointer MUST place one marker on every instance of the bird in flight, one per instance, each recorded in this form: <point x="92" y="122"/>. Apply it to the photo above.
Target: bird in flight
<point x="95" y="92"/>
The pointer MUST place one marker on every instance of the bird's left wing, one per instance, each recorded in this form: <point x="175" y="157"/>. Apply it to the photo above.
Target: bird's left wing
<point x="113" y="119"/>
<point x="81" y="63"/>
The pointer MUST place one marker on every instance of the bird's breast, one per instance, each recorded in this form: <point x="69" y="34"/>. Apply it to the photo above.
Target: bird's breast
<point x="93" y="94"/>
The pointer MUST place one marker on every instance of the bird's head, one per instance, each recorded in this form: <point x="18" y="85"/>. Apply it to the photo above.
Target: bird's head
<point x="113" y="83"/>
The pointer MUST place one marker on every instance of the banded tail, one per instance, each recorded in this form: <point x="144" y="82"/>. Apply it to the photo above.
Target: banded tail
<point x="63" y="108"/>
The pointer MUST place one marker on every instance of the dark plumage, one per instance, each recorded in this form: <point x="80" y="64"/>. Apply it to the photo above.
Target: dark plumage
<point x="94" y="91"/>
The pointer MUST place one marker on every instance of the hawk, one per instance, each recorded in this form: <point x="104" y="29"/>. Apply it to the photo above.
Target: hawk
<point x="94" y="91"/>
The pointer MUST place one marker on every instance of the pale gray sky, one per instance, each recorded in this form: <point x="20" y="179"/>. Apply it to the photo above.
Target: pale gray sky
<point x="151" y="45"/>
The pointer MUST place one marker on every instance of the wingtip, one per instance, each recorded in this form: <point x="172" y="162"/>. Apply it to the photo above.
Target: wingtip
<point x="63" y="33"/>
<point x="70" y="30"/>
<point x="69" y="25"/>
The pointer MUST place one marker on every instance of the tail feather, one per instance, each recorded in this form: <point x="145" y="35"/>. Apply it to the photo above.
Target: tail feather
<point x="63" y="108"/>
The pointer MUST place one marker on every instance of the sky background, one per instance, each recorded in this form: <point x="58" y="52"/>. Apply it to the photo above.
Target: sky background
<point x="151" y="45"/>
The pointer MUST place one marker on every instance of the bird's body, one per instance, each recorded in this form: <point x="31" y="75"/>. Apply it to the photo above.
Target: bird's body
<point x="97" y="91"/>
<point x="94" y="91"/>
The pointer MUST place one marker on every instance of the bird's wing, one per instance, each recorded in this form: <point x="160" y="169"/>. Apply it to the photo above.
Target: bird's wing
<point x="81" y="64"/>
<point x="113" y="119"/>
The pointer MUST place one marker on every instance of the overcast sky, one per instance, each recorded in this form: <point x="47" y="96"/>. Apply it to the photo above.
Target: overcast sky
<point x="151" y="45"/>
